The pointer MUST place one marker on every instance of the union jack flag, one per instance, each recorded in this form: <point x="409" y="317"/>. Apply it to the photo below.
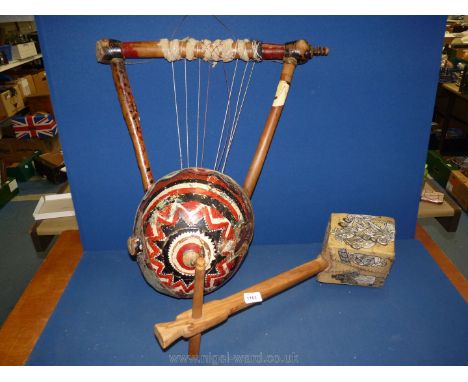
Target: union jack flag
<point x="34" y="126"/>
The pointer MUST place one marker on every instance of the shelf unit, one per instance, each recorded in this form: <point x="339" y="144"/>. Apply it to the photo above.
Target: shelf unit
<point x="447" y="214"/>
<point x="14" y="64"/>
<point x="451" y="111"/>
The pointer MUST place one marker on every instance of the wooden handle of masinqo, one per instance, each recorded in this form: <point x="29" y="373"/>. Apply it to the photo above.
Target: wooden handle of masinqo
<point x="218" y="311"/>
<point x="269" y="128"/>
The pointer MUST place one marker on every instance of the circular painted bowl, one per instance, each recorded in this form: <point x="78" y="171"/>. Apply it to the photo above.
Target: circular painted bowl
<point x="186" y="214"/>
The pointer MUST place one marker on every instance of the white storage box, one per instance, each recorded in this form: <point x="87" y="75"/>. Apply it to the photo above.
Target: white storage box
<point x="54" y="206"/>
<point x="25" y="50"/>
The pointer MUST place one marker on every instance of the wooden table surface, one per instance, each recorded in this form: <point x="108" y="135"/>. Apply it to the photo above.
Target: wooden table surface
<point x="447" y="214"/>
<point x="452" y="87"/>
<point x="25" y="323"/>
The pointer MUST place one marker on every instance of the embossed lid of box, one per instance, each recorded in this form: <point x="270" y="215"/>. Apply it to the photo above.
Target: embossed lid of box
<point x="359" y="248"/>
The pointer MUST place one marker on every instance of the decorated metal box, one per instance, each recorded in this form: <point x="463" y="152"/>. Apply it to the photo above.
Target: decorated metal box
<point x="40" y="125"/>
<point x="359" y="248"/>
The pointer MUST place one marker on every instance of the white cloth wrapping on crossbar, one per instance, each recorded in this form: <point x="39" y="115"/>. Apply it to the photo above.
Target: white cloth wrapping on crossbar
<point x="217" y="50"/>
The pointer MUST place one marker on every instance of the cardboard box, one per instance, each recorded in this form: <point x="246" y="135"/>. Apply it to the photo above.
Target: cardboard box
<point x="8" y="191"/>
<point x="24" y="170"/>
<point x="54" y="206"/>
<point x="25" y="50"/>
<point x="439" y="168"/>
<point x="30" y="80"/>
<point x="39" y="125"/>
<point x="39" y="104"/>
<point x="50" y="165"/>
<point x="457" y="185"/>
<point x="11" y="102"/>
<point x="40" y="82"/>
<point x="25" y="84"/>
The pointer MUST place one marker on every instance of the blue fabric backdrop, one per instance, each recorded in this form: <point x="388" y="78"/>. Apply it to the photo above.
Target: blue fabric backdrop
<point x="352" y="138"/>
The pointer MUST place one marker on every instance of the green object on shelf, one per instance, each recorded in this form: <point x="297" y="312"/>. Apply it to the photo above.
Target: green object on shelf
<point x="8" y="191"/>
<point x="439" y="168"/>
<point x="23" y="170"/>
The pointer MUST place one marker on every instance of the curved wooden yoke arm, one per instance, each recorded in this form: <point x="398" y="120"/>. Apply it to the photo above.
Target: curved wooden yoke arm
<point x="130" y="114"/>
<point x="217" y="50"/>
<point x="256" y="166"/>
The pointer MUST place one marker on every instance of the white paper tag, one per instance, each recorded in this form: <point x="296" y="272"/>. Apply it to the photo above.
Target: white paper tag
<point x="13" y="185"/>
<point x="281" y="93"/>
<point x="449" y="187"/>
<point x="252" y="298"/>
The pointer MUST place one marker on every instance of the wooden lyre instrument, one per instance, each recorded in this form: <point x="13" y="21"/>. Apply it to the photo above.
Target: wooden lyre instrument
<point x="196" y="210"/>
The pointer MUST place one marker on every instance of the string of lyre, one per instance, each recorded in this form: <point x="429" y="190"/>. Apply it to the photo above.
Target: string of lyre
<point x="196" y="122"/>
